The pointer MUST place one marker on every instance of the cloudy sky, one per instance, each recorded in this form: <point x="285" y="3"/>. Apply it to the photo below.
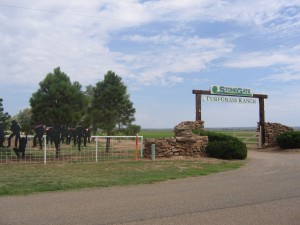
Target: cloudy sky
<point x="162" y="49"/>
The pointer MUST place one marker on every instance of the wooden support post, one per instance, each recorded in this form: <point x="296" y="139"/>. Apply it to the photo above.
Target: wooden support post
<point x="262" y="119"/>
<point x="198" y="107"/>
<point x="198" y="94"/>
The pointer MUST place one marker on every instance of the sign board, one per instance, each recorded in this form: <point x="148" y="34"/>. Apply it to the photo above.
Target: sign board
<point x="229" y="99"/>
<point x="235" y="91"/>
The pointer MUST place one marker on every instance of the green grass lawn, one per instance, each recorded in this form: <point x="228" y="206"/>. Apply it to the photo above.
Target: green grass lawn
<point x="156" y="133"/>
<point x="23" y="179"/>
<point x="241" y="134"/>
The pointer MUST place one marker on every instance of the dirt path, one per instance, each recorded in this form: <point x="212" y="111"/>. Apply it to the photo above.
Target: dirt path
<point x="265" y="191"/>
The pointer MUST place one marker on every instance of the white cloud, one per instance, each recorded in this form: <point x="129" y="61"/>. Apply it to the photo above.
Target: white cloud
<point x="181" y="54"/>
<point x="261" y="59"/>
<point x="150" y="43"/>
<point x="75" y="34"/>
<point x="282" y="77"/>
<point x="286" y="61"/>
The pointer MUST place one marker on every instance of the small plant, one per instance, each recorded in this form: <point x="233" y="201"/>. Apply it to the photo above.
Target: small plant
<point x="289" y="139"/>
<point x="224" y="146"/>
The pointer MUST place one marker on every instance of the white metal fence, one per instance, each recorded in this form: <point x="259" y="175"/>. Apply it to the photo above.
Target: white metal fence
<point x="98" y="149"/>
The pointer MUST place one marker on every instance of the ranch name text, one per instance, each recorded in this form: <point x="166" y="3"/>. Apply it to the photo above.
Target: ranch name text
<point x="227" y="99"/>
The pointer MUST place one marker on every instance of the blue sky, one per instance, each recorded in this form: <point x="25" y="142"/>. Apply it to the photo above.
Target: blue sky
<point x="163" y="50"/>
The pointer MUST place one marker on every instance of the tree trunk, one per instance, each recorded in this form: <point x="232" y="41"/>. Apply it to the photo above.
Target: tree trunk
<point x="107" y="149"/>
<point x="107" y="145"/>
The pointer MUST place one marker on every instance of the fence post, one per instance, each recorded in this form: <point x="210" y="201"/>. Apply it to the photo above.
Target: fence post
<point x="153" y="151"/>
<point x="142" y="141"/>
<point x="45" y="150"/>
<point x="260" y="138"/>
<point x="136" y="146"/>
<point x="96" y="149"/>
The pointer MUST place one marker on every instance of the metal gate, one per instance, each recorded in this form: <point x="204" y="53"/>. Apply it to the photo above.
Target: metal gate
<point x="250" y="138"/>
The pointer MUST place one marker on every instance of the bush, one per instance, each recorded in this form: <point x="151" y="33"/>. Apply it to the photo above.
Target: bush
<point x="227" y="149"/>
<point x="224" y="146"/>
<point x="289" y="139"/>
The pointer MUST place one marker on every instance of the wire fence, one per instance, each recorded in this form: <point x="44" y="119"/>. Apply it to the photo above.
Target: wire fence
<point x="99" y="148"/>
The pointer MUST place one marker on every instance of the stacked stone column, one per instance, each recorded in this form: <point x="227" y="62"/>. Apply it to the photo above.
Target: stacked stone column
<point x="184" y="143"/>
<point x="272" y="130"/>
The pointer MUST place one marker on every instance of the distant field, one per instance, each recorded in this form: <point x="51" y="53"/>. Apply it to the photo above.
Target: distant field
<point x="244" y="134"/>
<point x="156" y="133"/>
<point x="159" y="133"/>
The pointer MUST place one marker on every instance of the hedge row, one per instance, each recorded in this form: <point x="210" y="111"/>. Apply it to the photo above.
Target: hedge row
<point x="289" y="139"/>
<point x="224" y="146"/>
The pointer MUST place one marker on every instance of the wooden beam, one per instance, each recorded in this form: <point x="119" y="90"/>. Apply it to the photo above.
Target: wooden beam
<point x="259" y="96"/>
<point x="201" y="92"/>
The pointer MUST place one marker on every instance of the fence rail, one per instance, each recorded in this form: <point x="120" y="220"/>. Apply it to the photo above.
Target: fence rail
<point x="250" y="138"/>
<point x="98" y="149"/>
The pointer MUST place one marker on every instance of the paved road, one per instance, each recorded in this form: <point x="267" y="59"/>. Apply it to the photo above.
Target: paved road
<point x="265" y="191"/>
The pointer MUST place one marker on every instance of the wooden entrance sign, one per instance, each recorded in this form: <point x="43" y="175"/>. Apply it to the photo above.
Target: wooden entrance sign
<point x="261" y="98"/>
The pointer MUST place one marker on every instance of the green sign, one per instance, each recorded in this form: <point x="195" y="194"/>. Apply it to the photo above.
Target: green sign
<point x="235" y="91"/>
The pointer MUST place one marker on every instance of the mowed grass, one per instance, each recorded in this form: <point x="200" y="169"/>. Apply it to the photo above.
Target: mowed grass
<point x="156" y="133"/>
<point x="242" y="135"/>
<point x="24" y="179"/>
<point x="160" y="133"/>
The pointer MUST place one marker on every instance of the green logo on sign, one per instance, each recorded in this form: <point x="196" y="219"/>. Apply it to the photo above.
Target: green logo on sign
<point x="214" y="89"/>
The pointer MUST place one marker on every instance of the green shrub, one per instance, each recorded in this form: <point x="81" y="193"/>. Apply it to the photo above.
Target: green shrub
<point x="289" y="139"/>
<point x="227" y="149"/>
<point x="223" y="146"/>
<point x="213" y="136"/>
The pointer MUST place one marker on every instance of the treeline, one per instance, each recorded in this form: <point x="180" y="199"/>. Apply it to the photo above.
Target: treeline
<point x="60" y="102"/>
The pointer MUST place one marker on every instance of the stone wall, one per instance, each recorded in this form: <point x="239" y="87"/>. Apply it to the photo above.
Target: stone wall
<point x="185" y="143"/>
<point x="184" y="129"/>
<point x="272" y="130"/>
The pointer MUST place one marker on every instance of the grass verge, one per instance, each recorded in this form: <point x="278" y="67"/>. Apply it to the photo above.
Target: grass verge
<point x="20" y="179"/>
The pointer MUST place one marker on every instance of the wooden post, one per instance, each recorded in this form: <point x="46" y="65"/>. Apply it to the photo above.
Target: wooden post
<point x="262" y="119"/>
<point x="198" y="94"/>
<point x="198" y="107"/>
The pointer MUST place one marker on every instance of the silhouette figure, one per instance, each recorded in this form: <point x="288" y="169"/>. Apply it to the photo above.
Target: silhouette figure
<point x="49" y="136"/>
<point x="86" y="136"/>
<point x="15" y="129"/>
<point x="22" y="147"/>
<point x="63" y="134"/>
<point x="39" y="132"/>
<point x="56" y="139"/>
<point x="79" y="135"/>
<point x="2" y="139"/>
